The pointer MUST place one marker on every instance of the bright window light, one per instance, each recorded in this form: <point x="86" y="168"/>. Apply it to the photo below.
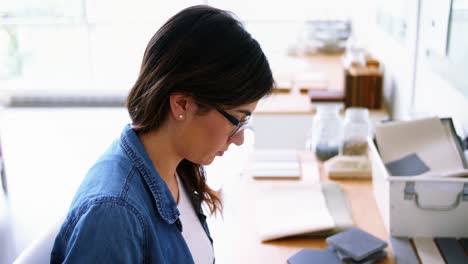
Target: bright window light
<point x="93" y="46"/>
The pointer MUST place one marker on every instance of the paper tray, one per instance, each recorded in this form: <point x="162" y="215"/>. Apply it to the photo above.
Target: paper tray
<point x="420" y="207"/>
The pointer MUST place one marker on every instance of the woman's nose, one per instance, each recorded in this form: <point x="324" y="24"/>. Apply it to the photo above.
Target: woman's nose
<point x="238" y="139"/>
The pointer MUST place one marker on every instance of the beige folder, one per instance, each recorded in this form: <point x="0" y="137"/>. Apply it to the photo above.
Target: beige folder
<point x="301" y="209"/>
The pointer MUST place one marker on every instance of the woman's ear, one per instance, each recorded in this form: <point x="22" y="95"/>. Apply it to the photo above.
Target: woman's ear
<point x="179" y="105"/>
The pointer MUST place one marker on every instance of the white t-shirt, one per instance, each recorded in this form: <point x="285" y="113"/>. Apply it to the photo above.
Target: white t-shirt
<point x="192" y="230"/>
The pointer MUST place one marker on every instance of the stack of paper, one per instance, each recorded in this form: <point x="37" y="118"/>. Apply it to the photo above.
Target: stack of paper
<point x="415" y="147"/>
<point x="275" y="164"/>
<point x="302" y="209"/>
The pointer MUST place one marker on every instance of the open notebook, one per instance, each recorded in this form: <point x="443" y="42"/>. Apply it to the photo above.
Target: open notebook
<point x="302" y="210"/>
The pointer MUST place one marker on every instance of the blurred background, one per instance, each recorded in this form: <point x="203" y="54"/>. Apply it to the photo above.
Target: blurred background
<point x="82" y="46"/>
<point x="66" y="67"/>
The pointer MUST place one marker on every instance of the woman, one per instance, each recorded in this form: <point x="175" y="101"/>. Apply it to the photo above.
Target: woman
<point x="201" y="78"/>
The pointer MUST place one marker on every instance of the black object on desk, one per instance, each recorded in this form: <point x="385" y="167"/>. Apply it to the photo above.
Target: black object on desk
<point x="464" y="243"/>
<point x="451" y="250"/>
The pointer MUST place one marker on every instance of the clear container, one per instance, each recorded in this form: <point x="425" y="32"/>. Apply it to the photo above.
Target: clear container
<point x="326" y="133"/>
<point x="356" y="130"/>
<point x="354" y="54"/>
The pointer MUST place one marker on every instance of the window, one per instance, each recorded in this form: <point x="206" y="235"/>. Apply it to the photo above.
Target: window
<point x="453" y="66"/>
<point x="85" y="46"/>
<point x="77" y="45"/>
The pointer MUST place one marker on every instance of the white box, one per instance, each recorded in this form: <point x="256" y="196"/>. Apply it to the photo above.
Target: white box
<point x="420" y="207"/>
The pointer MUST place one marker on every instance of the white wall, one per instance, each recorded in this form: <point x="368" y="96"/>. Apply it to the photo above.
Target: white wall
<point x="398" y="58"/>
<point x="433" y="94"/>
<point x="411" y="88"/>
<point x="436" y="96"/>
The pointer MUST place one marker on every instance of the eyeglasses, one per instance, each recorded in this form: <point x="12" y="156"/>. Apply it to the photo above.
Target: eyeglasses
<point x="239" y="124"/>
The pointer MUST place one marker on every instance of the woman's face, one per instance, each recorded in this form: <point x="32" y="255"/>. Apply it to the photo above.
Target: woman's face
<point x="210" y="133"/>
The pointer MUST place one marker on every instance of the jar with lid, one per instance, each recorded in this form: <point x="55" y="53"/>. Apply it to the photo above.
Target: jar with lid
<point x="326" y="133"/>
<point x="356" y="130"/>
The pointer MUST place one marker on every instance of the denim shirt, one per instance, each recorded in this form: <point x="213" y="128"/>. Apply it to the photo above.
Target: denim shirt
<point x="123" y="212"/>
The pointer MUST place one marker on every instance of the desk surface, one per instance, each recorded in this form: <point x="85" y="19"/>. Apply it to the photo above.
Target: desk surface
<point x="303" y="72"/>
<point x="235" y="237"/>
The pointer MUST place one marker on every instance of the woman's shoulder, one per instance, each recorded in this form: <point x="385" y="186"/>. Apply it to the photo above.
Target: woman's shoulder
<point x="118" y="224"/>
<point x="107" y="177"/>
<point x="109" y="181"/>
<point x="110" y="209"/>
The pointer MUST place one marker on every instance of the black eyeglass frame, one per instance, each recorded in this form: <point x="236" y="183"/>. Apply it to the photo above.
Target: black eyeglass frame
<point x="239" y="124"/>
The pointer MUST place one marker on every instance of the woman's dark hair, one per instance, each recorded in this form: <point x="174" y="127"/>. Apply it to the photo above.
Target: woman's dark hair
<point x="206" y="53"/>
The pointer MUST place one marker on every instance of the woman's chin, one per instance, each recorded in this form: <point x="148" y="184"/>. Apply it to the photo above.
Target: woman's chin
<point x="207" y="161"/>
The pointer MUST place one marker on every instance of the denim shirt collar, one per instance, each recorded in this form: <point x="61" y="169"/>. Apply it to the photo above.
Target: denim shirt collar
<point x="165" y="203"/>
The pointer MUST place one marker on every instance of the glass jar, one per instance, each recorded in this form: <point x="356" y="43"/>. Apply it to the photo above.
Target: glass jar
<point x="326" y="132"/>
<point x="354" y="54"/>
<point x="356" y="130"/>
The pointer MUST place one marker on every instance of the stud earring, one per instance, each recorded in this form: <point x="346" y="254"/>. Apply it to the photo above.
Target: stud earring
<point x="181" y="116"/>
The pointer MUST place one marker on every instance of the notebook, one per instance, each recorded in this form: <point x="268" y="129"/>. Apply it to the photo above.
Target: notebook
<point x="307" y="256"/>
<point x="339" y="208"/>
<point x="356" y="243"/>
<point x="336" y="203"/>
<point x="369" y="259"/>
<point x="403" y="251"/>
<point x="451" y="250"/>
<point x="290" y="211"/>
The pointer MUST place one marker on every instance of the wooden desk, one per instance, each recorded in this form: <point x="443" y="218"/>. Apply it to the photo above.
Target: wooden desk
<point x="235" y="236"/>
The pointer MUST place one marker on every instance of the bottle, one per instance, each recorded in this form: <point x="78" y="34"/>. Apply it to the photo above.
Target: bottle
<point x="356" y="130"/>
<point x="326" y="136"/>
